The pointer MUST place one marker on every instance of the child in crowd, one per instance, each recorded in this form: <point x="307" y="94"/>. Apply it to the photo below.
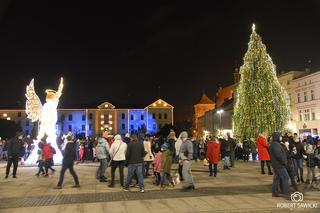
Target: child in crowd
<point x="156" y="163"/>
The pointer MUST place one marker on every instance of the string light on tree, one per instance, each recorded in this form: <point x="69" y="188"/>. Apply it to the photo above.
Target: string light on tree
<point x="261" y="105"/>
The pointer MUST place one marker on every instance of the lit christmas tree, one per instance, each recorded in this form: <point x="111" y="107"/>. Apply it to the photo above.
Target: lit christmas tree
<point x="261" y="105"/>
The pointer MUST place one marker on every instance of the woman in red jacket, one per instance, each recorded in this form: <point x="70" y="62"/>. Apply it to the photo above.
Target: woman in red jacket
<point x="48" y="152"/>
<point x="263" y="146"/>
<point x="213" y="155"/>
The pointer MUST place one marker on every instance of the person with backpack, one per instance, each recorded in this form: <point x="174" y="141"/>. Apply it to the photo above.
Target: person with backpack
<point x="48" y="152"/>
<point x="102" y="153"/>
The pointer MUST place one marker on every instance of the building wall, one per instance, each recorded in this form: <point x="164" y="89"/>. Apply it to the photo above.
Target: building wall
<point x="307" y="99"/>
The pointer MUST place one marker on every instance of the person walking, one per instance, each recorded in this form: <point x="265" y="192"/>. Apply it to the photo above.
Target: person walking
<point x="225" y="153"/>
<point x="134" y="158"/>
<point x="213" y="155"/>
<point x="279" y="163"/>
<point x="148" y="158"/>
<point x="118" y="159"/>
<point x="263" y="146"/>
<point x="253" y="149"/>
<point x="69" y="156"/>
<point x="186" y="157"/>
<point x="246" y="150"/>
<point x="177" y="149"/>
<point x="233" y="145"/>
<point x="15" y="151"/>
<point x="166" y="163"/>
<point x="102" y="152"/>
<point x="40" y="161"/>
<point x="48" y="152"/>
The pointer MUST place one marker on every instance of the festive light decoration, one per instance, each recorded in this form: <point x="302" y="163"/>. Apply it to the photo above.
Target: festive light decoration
<point x="47" y="117"/>
<point x="5" y="115"/>
<point x="261" y="105"/>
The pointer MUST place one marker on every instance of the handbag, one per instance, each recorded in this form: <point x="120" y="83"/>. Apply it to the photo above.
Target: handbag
<point x="110" y="162"/>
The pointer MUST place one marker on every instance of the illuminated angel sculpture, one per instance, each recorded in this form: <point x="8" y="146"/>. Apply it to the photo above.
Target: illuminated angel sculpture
<point x="47" y="117"/>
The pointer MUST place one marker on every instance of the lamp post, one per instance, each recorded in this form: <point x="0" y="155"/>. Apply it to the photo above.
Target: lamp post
<point x="220" y="114"/>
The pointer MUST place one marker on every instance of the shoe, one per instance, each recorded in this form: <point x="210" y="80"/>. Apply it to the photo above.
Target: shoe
<point x="210" y="174"/>
<point x="215" y="174"/>
<point x="58" y="187"/>
<point x="111" y="185"/>
<point x="263" y="173"/>
<point x="103" y="180"/>
<point x="46" y="175"/>
<point x="270" y="173"/>
<point x="14" y="176"/>
<point x="189" y="188"/>
<point x="6" y="177"/>
<point x="298" y="180"/>
<point x="76" y="186"/>
<point x="142" y="190"/>
<point x="301" y="179"/>
<point x="37" y="174"/>
<point x="126" y="189"/>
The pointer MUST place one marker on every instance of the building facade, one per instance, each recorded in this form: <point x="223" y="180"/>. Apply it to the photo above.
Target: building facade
<point x="106" y="116"/>
<point x="307" y="101"/>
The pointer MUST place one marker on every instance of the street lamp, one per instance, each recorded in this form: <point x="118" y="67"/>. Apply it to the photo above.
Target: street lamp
<point x="220" y="113"/>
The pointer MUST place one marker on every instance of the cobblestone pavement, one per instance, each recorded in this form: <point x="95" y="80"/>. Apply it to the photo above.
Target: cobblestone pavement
<point x="241" y="189"/>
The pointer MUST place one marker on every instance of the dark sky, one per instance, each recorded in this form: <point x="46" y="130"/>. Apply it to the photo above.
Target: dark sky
<point x="122" y="51"/>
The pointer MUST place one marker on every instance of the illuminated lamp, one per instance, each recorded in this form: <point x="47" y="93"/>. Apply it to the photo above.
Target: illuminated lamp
<point x="110" y="116"/>
<point x="102" y="116"/>
<point x="101" y="128"/>
<point x="165" y="104"/>
<point x="8" y="118"/>
<point x="110" y="122"/>
<point x="110" y="128"/>
<point x="106" y="105"/>
<point x="159" y="102"/>
<point x="154" y="105"/>
<point x="102" y="122"/>
<point x="5" y="115"/>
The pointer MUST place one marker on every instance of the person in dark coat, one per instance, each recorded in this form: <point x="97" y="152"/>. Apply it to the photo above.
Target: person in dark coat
<point x="279" y="162"/>
<point x="213" y="155"/>
<point x="15" y="150"/>
<point x="298" y="152"/>
<point x="233" y="145"/>
<point x="225" y="152"/>
<point x="246" y="150"/>
<point x="253" y="149"/>
<point x="134" y="157"/>
<point x="290" y="168"/>
<point x="69" y="156"/>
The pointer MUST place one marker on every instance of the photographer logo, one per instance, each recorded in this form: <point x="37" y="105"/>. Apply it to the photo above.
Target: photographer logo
<point x="297" y="197"/>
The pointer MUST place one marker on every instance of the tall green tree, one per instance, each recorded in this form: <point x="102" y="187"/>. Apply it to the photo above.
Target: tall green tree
<point x="261" y="105"/>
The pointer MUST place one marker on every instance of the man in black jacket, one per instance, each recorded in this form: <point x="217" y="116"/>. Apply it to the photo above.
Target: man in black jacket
<point x="69" y="156"/>
<point x="279" y="163"/>
<point x="134" y="157"/>
<point x="15" y="151"/>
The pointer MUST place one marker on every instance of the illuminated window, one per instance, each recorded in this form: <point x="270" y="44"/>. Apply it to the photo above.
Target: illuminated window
<point x="90" y="126"/>
<point x="27" y="132"/>
<point x="131" y="117"/>
<point x="70" y="128"/>
<point x="83" y="117"/>
<point x="160" y="116"/>
<point x="123" y="116"/>
<point x="90" y="116"/>
<point x="19" y="114"/>
<point x="131" y="127"/>
<point x="27" y="123"/>
<point x="123" y="126"/>
<point x="165" y="116"/>
<point x="153" y="115"/>
<point x="142" y="117"/>
<point x="154" y="126"/>
<point x="70" y="117"/>
<point x="83" y="127"/>
<point x="306" y="114"/>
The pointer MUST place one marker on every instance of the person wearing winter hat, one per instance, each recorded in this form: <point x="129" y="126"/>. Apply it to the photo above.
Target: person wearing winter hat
<point x="279" y="163"/>
<point x="166" y="163"/>
<point x="118" y="159"/>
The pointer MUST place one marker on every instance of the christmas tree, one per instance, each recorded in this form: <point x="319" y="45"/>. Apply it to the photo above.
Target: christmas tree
<point x="261" y="105"/>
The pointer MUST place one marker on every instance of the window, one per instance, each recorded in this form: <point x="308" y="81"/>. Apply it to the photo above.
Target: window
<point x="123" y="126"/>
<point x="142" y="117"/>
<point x="153" y="115"/>
<point x="70" y="128"/>
<point x="19" y="114"/>
<point x="63" y="117"/>
<point x="83" y="127"/>
<point x="131" y="127"/>
<point x="160" y="116"/>
<point x="299" y="100"/>
<point x="27" y="123"/>
<point x="90" y="126"/>
<point x="313" y="114"/>
<point x="165" y="115"/>
<point x="27" y="132"/>
<point x="312" y="95"/>
<point x="300" y="115"/>
<point x="123" y="116"/>
<point x="90" y="116"/>
<point x="305" y="96"/>
<point x="83" y="117"/>
<point x="306" y="114"/>
<point x="70" y="117"/>
<point x="154" y="126"/>
<point x="131" y="117"/>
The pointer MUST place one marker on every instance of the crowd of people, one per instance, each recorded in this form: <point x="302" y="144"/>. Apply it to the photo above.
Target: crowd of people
<point x="148" y="156"/>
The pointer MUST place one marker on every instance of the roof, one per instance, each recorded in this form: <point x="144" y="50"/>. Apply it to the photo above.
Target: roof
<point x="205" y="100"/>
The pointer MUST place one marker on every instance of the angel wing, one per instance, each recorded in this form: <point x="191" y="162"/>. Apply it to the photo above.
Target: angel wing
<point x="33" y="103"/>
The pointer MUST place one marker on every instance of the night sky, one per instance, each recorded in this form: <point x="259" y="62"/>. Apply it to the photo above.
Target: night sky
<point x="124" y="51"/>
